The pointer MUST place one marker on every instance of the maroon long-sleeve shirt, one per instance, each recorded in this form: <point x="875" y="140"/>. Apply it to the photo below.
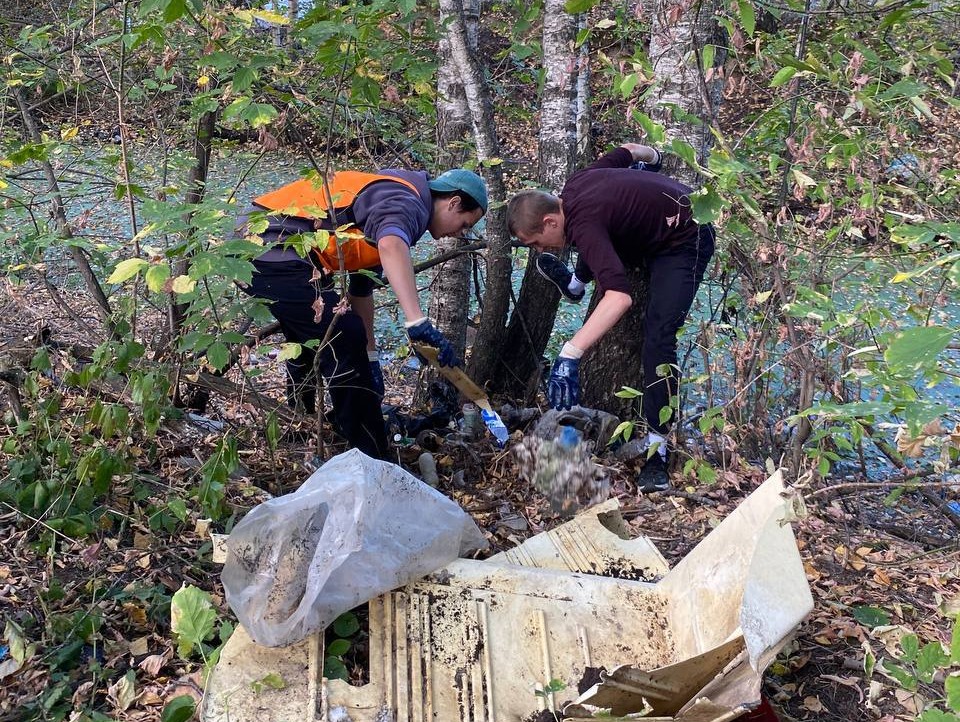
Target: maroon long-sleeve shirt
<point x="617" y="216"/>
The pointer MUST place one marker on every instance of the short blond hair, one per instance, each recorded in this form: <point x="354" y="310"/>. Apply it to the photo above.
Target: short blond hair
<point x="526" y="210"/>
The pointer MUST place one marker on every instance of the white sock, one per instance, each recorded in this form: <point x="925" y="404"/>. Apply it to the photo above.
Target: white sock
<point x="660" y="441"/>
<point x="576" y="285"/>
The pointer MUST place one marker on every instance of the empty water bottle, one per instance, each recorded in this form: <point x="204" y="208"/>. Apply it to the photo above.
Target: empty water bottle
<point x="570" y="436"/>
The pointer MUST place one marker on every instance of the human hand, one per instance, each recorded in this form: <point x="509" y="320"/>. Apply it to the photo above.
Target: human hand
<point x="645" y="157"/>
<point x="423" y="331"/>
<point x="563" y="388"/>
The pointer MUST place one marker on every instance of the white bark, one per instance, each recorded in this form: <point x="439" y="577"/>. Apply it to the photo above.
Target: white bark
<point x="584" y="116"/>
<point x="558" y="132"/>
<point x="497" y="295"/>
<point x="450" y="301"/>
<point x="679" y="31"/>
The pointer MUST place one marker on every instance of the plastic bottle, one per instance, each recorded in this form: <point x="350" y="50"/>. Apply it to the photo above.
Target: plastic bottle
<point x="569" y="437"/>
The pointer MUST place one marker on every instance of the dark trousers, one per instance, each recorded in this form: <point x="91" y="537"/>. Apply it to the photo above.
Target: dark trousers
<point x="342" y="359"/>
<point x="675" y="276"/>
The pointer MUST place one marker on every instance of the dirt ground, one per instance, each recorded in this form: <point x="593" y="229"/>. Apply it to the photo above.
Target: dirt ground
<point x="860" y="553"/>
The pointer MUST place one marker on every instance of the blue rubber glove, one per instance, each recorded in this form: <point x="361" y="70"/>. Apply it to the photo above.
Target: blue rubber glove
<point x="377" y="375"/>
<point x="563" y="388"/>
<point x="424" y="332"/>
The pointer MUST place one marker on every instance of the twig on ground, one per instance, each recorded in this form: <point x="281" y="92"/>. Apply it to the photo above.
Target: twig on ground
<point x="689" y="496"/>
<point x="911" y="478"/>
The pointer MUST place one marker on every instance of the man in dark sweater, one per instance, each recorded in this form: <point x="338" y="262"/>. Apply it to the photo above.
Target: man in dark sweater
<point x="392" y="210"/>
<point x="617" y="217"/>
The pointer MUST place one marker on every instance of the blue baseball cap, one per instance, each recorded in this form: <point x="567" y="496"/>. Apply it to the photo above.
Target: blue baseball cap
<point x="461" y="179"/>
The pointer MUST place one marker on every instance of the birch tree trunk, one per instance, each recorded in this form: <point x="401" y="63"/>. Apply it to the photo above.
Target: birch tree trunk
<point x="450" y="281"/>
<point x="584" y="116"/>
<point x="496" y="302"/>
<point x="532" y="320"/>
<point x="680" y="33"/>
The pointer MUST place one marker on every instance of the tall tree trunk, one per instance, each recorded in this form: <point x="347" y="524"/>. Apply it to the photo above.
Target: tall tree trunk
<point x="491" y="335"/>
<point x="584" y="115"/>
<point x="450" y="284"/>
<point x="614" y="361"/>
<point x="532" y="320"/>
<point x="680" y="32"/>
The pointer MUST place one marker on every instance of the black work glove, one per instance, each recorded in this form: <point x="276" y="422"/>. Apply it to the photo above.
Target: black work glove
<point x="563" y="388"/>
<point x="424" y="332"/>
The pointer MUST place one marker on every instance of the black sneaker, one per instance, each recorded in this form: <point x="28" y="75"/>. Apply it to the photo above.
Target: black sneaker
<point x="653" y="476"/>
<point x="556" y="271"/>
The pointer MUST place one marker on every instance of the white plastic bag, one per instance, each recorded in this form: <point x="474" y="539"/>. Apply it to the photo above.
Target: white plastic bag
<point x="356" y="529"/>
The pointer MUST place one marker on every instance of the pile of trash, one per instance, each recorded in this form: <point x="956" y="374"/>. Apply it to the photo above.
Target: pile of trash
<point x="557" y="457"/>
<point x="580" y="622"/>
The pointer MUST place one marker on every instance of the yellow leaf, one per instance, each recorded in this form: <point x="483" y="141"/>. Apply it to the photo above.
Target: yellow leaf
<point x="183" y="284"/>
<point x="127" y="269"/>
<point x="803" y="179"/>
<point x="271" y="17"/>
<point x="69" y="133"/>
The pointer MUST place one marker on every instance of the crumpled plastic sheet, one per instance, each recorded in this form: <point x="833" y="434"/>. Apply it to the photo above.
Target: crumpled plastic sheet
<point x="356" y="529"/>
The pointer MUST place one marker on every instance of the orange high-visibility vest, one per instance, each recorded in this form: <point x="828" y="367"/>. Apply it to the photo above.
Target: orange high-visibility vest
<point x="307" y="198"/>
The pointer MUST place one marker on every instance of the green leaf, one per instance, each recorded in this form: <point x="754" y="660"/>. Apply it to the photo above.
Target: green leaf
<point x="917" y="347"/>
<point x="665" y="413"/>
<point x="628" y="83"/>
<point x="783" y="76"/>
<point x="709" y="55"/>
<point x="157" y="276"/>
<point x="218" y="355"/>
<point x="271" y="681"/>
<point x="906" y="679"/>
<point x="179" y="508"/>
<point x="179" y="709"/>
<point x="333" y="668"/>
<point x="289" y="351"/>
<point x="338" y="647"/>
<point x="748" y="17"/>
<point x="574" y="7"/>
<point x="628" y="392"/>
<point x="871" y="616"/>
<point x="707" y="204"/>
<point x="931" y="658"/>
<point x="127" y="269"/>
<point x="346" y="625"/>
<point x="952" y="687"/>
<point x="174" y="10"/>
<point x="706" y="473"/>
<point x="192" y="618"/>
<point x="910" y="646"/>
<point x="935" y="715"/>
<point x="906" y="88"/>
<point x="625" y="429"/>
<point x="243" y="79"/>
